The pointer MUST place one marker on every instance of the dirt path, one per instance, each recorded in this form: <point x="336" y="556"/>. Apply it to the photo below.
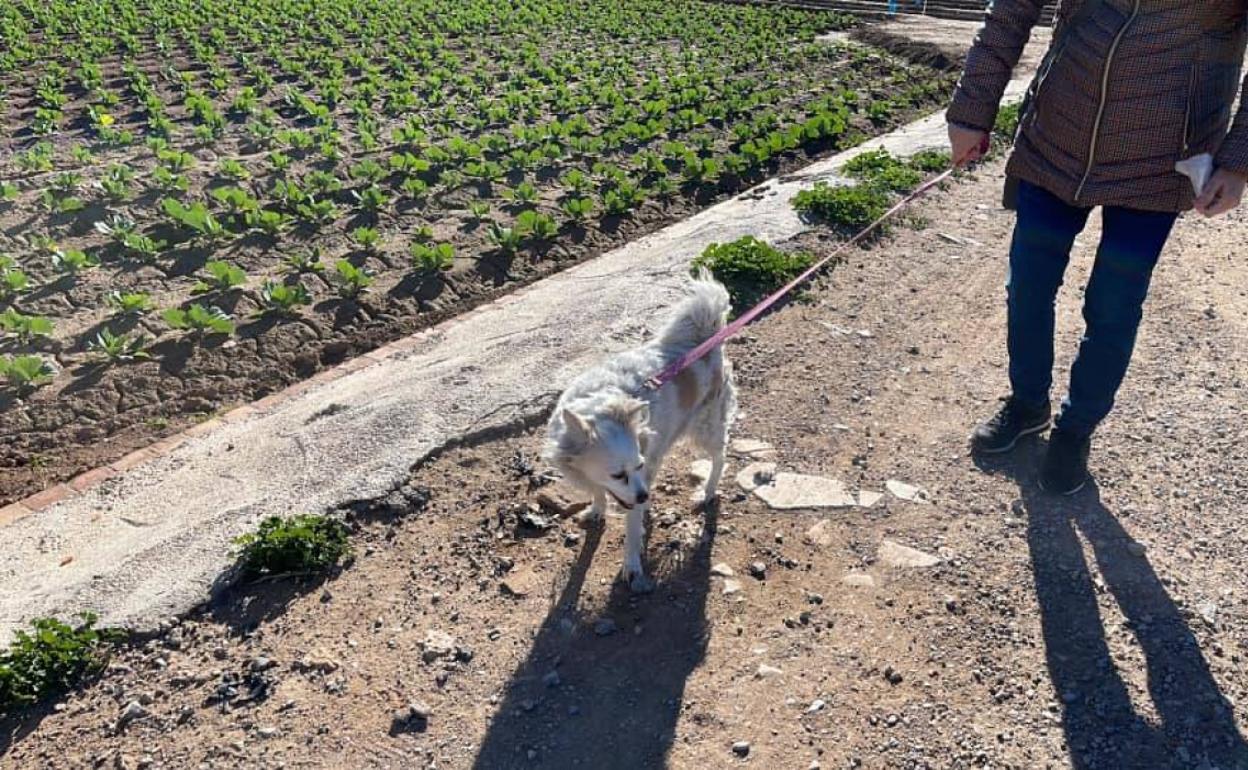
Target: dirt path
<point x="1107" y="631"/>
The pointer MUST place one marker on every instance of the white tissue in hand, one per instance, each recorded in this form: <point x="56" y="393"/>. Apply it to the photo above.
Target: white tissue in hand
<point x="1198" y="169"/>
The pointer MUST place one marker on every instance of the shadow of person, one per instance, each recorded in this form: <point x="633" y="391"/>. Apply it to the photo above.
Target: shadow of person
<point x="1191" y="724"/>
<point x="589" y="699"/>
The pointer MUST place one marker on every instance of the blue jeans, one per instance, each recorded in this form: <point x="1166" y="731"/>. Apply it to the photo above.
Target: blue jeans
<point x="1112" y="308"/>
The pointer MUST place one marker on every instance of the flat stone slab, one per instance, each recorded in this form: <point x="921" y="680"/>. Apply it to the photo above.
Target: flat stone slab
<point x="866" y="498"/>
<point x="895" y="554"/>
<point x="791" y="491"/>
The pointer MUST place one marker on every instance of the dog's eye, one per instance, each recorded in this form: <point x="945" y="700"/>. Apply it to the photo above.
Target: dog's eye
<point x="619" y="476"/>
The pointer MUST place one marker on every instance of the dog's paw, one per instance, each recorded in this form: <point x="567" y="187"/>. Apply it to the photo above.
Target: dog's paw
<point x="636" y="578"/>
<point x="640" y="584"/>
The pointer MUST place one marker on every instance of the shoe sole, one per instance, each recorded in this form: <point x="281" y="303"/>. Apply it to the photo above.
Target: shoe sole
<point x="1068" y="493"/>
<point x="1022" y="434"/>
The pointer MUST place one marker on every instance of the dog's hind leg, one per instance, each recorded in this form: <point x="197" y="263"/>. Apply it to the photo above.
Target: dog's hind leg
<point x="634" y="536"/>
<point x="711" y="436"/>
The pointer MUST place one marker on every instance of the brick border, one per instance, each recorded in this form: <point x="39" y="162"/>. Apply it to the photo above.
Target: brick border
<point x="86" y="480"/>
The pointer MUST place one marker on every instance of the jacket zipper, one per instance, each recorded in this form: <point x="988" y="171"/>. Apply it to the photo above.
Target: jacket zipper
<point x="1100" y="110"/>
<point x="1187" y="112"/>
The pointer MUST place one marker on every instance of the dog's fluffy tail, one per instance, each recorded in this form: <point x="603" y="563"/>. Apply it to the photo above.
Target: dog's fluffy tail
<point x="700" y="315"/>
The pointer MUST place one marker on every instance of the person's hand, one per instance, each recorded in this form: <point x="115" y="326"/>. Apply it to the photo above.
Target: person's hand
<point x="1223" y="192"/>
<point x="967" y="145"/>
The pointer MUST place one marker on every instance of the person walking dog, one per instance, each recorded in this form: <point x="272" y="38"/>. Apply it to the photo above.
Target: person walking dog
<point x="1127" y="89"/>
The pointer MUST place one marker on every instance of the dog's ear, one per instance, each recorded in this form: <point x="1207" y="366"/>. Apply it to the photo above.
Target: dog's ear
<point x="639" y="415"/>
<point x="579" y="428"/>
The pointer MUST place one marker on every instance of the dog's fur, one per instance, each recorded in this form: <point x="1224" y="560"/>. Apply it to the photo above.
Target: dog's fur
<point x="610" y="433"/>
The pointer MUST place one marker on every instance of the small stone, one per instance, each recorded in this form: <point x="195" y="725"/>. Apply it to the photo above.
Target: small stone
<point x="437" y="644"/>
<point x="518" y="583"/>
<point x="133" y="710"/>
<point x="262" y="663"/>
<point x="419" y="710"/>
<point x="605" y="627"/>
<point x="700" y="471"/>
<point x="741" y="748"/>
<point x="220" y="653"/>
<point x="316" y="664"/>
<point x="1136" y="549"/>
<point x="893" y="676"/>
<point x="756" y="475"/>
<point x="816" y="705"/>
<point x="758" y="570"/>
<point x="731" y="586"/>
<point x="268" y="732"/>
<point x="897" y="555"/>
<point x="753" y="449"/>
<point x="722" y="570"/>
<point x="904" y="491"/>
<point x="561" y="501"/>
<point x="552" y="679"/>
<point x="767" y="672"/>
<point x="820" y="534"/>
<point x="859" y="580"/>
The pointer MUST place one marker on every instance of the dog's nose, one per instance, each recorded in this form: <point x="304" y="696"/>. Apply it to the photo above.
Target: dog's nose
<point x="642" y="498"/>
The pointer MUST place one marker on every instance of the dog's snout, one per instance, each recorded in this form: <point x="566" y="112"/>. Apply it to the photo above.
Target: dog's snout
<point x="643" y="497"/>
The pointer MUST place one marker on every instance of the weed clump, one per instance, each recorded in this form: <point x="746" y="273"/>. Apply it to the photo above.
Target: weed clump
<point x="298" y="544"/>
<point x="750" y="269"/>
<point x="848" y="208"/>
<point x="51" y="660"/>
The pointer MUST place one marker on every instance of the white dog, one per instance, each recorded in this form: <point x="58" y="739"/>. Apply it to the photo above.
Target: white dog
<point x="611" y="432"/>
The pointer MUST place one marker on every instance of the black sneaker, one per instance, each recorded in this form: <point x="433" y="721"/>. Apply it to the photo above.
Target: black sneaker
<point x="1002" y="432"/>
<point x="1065" y="469"/>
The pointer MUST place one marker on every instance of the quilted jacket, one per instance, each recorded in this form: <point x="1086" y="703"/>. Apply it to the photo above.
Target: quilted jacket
<point x="1129" y="89"/>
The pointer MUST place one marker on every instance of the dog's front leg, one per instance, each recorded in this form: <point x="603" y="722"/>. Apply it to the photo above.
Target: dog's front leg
<point x="595" y="513"/>
<point x="634" y="536"/>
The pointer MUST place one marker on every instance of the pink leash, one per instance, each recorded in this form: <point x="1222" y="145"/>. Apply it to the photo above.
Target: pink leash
<point x="676" y="367"/>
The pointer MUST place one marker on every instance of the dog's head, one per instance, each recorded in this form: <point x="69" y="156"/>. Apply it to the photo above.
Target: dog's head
<point x="605" y="449"/>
